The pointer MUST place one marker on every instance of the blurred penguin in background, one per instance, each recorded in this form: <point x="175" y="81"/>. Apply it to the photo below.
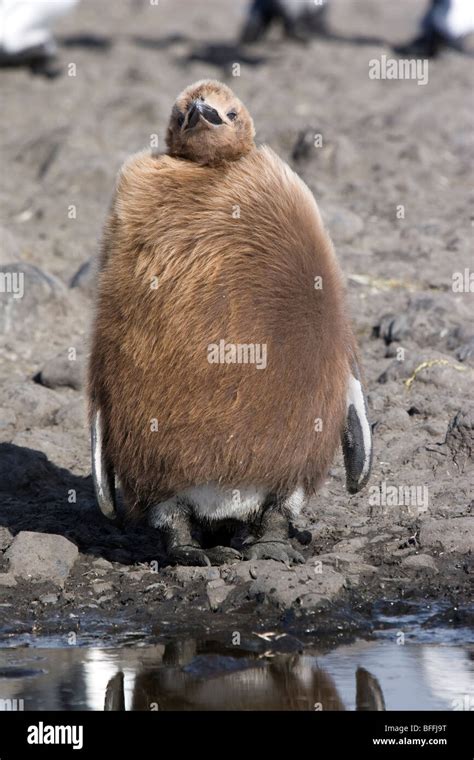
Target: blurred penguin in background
<point x="300" y="19"/>
<point x="25" y="32"/>
<point x="446" y="24"/>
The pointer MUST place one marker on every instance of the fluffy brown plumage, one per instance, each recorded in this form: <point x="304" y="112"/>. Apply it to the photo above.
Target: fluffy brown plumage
<point x="204" y="144"/>
<point x="226" y="246"/>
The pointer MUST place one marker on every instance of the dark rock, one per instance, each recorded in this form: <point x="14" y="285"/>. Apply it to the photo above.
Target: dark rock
<point x="465" y="352"/>
<point x="392" y="327"/>
<point x="6" y="538"/>
<point x="305" y="144"/>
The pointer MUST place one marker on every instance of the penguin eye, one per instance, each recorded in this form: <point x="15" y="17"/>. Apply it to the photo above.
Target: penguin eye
<point x="180" y="120"/>
<point x="232" y="115"/>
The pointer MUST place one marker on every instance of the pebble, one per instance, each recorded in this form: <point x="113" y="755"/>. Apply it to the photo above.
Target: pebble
<point x="7" y="579"/>
<point x="49" y="598"/>
<point x="422" y="561"/>
<point x="99" y="588"/>
<point x="217" y="593"/>
<point x="41" y="557"/>
<point x="61" y="371"/>
<point x="451" y="535"/>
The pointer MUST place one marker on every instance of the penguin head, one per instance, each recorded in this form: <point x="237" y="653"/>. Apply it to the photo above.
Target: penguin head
<point x="209" y="125"/>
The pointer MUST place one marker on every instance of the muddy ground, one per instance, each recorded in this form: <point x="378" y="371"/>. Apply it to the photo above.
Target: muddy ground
<point x="385" y="145"/>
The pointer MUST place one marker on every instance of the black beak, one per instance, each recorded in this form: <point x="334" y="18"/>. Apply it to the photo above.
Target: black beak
<point x="200" y="108"/>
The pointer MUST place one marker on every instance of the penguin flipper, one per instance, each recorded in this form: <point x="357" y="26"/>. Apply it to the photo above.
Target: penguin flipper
<point x="102" y="473"/>
<point x="115" y="694"/>
<point x="369" y="694"/>
<point x="356" y="436"/>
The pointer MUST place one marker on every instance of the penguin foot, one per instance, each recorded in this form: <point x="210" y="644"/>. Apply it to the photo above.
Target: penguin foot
<point x="281" y="551"/>
<point x="187" y="554"/>
<point x="223" y="555"/>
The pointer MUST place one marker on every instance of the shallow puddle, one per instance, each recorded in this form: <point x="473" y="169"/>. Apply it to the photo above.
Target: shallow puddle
<point x="203" y="675"/>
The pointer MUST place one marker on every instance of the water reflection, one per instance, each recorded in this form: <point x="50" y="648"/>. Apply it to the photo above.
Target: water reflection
<point x="218" y="682"/>
<point x="190" y="675"/>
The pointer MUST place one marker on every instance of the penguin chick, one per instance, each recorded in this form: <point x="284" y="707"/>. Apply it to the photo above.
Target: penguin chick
<point x="209" y="125"/>
<point x="223" y="370"/>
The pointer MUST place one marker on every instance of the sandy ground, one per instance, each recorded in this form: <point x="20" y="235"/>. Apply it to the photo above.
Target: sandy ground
<point x="392" y="180"/>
